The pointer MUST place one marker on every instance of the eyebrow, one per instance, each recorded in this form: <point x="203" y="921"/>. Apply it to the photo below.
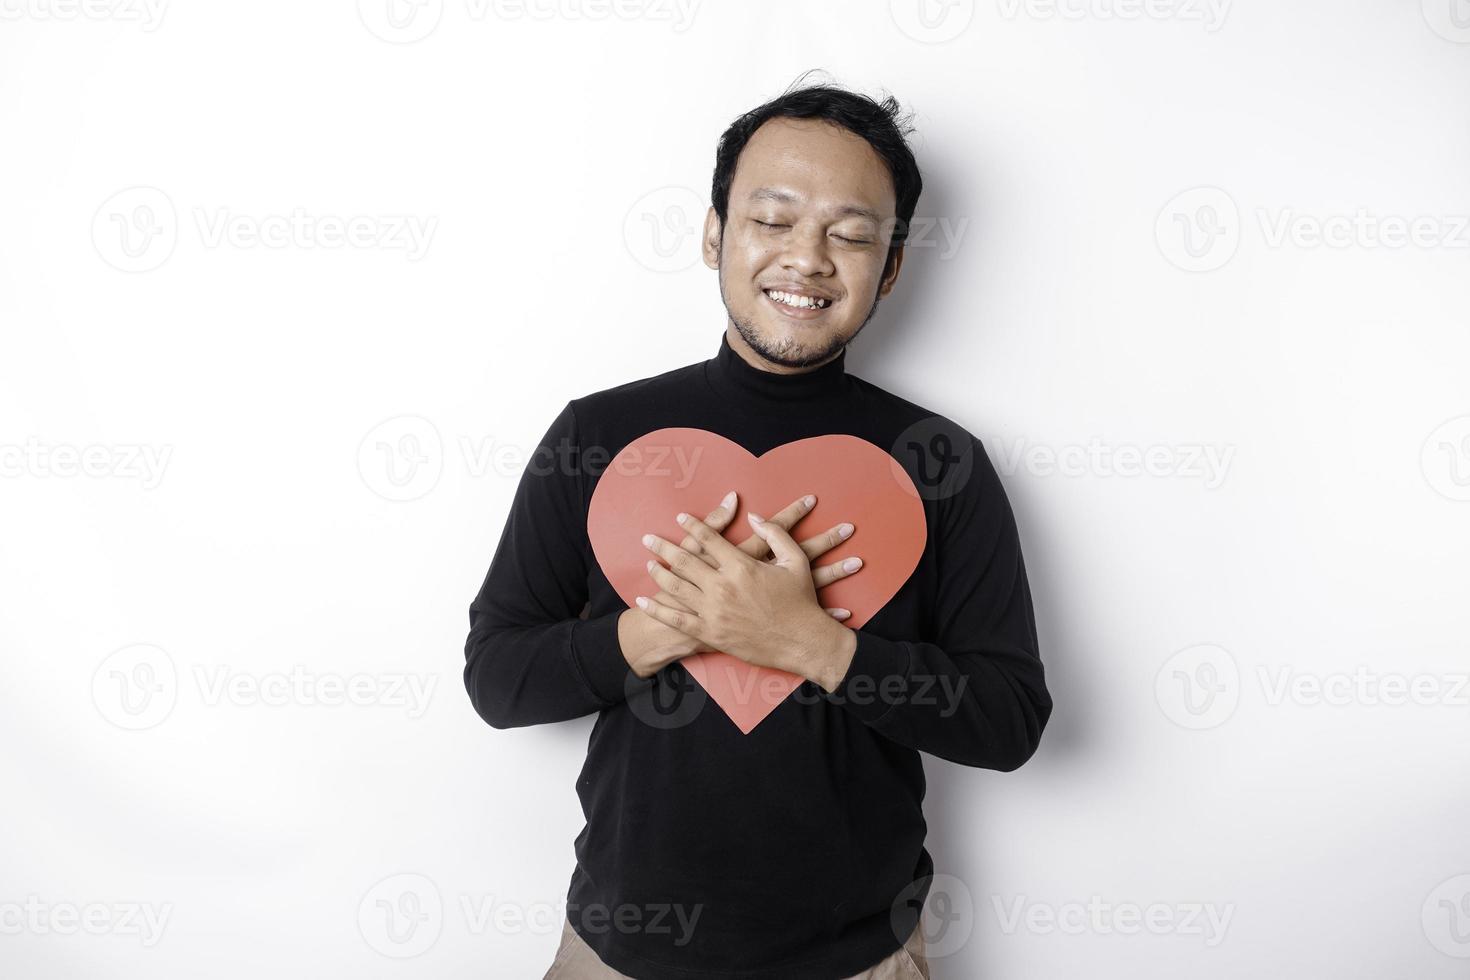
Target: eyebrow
<point x="786" y="197"/>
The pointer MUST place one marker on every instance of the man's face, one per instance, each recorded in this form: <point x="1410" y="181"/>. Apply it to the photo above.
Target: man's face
<point x="811" y="214"/>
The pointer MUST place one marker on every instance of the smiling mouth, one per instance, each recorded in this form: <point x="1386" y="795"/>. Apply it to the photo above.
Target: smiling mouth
<point x="795" y="303"/>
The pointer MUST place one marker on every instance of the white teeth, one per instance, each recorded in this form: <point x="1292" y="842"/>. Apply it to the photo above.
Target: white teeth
<point x="800" y="302"/>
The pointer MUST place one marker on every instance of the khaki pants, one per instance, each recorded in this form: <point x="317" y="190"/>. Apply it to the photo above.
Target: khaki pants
<point x="575" y="960"/>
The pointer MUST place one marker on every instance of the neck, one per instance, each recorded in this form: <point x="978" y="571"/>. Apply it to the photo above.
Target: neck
<point x="755" y="384"/>
<point x="751" y="356"/>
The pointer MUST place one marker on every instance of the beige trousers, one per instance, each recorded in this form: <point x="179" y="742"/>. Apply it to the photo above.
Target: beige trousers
<point x="575" y="960"/>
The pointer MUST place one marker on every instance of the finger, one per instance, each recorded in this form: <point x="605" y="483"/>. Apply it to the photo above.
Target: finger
<point x="683" y="564"/>
<point x="838" y="613"/>
<point x="719" y="519"/>
<point x="819" y="545"/>
<point x="671" y="602"/>
<point x="721" y="516"/>
<point x="687" y="594"/>
<point x="756" y="547"/>
<point x="827" y="574"/>
<point x="710" y="541"/>
<point x="787" y="551"/>
<point x="686" y="623"/>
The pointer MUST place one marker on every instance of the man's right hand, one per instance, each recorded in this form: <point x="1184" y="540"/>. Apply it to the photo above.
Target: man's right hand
<point x="649" y="645"/>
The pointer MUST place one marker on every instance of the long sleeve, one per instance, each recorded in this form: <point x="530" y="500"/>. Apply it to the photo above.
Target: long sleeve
<point x="530" y="659"/>
<point x="975" y="692"/>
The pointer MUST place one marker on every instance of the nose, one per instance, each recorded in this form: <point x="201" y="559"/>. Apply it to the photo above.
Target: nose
<point x="806" y="252"/>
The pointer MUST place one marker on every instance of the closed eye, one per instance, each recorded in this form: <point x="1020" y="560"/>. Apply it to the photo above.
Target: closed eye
<point x="840" y="238"/>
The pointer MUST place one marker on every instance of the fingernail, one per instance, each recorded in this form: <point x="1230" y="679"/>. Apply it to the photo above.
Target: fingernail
<point x="841" y="613"/>
<point x="844" y="530"/>
<point x="809" y="500"/>
<point x="650" y="565"/>
<point x="729" y="500"/>
<point x="641" y="601"/>
<point x="681" y="517"/>
<point x="648" y="541"/>
<point x="852" y="564"/>
<point x="755" y="518"/>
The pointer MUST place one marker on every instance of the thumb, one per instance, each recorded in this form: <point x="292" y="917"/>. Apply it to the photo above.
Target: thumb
<point x="783" y="546"/>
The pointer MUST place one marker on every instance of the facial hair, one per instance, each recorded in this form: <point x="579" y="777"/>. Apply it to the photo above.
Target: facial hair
<point x="790" y="354"/>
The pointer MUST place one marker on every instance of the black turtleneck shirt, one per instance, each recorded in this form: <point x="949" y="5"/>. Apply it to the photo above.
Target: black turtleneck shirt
<point x="796" y="851"/>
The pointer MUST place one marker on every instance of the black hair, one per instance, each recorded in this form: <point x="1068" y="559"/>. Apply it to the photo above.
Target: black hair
<point x="882" y="124"/>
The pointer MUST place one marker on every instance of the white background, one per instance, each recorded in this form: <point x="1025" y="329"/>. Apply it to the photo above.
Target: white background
<point x="238" y="471"/>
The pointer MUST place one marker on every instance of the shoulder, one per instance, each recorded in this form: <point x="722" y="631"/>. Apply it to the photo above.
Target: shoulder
<point x="949" y="465"/>
<point x="600" y="423"/>
<point x="903" y="422"/>
<point x="630" y="394"/>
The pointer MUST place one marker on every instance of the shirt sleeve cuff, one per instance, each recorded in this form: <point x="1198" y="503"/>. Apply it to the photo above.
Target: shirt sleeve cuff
<point x="876" y="680"/>
<point x="599" y="657"/>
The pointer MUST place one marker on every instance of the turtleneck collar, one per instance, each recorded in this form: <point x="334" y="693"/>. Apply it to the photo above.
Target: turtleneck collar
<point x="728" y="372"/>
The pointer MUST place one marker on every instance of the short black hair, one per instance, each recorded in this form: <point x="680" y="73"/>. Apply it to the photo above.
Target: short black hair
<point x="882" y="124"/>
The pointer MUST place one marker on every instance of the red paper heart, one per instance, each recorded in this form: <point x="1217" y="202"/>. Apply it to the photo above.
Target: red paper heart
<point x="666" y="471"/>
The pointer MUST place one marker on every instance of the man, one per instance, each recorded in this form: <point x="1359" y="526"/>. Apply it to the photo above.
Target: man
<point x="796" y="850"/>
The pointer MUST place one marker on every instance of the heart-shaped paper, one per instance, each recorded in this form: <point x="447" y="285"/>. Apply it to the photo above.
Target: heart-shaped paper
<point x="666" y="471"/>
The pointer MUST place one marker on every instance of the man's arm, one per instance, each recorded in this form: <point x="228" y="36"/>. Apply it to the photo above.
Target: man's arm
<point x="977" y="694"/>
<point x="529" y="658"/>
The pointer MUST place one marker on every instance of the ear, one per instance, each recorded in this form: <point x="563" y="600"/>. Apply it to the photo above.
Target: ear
<point x="714" y="233"/>
<point x="890" y="271"/>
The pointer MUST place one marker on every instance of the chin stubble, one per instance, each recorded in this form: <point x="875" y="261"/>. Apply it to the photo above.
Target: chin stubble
<point x="790" y="354"/>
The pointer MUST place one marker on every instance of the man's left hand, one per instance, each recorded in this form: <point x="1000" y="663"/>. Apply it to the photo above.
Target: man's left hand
<point x="764" y="612"/>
